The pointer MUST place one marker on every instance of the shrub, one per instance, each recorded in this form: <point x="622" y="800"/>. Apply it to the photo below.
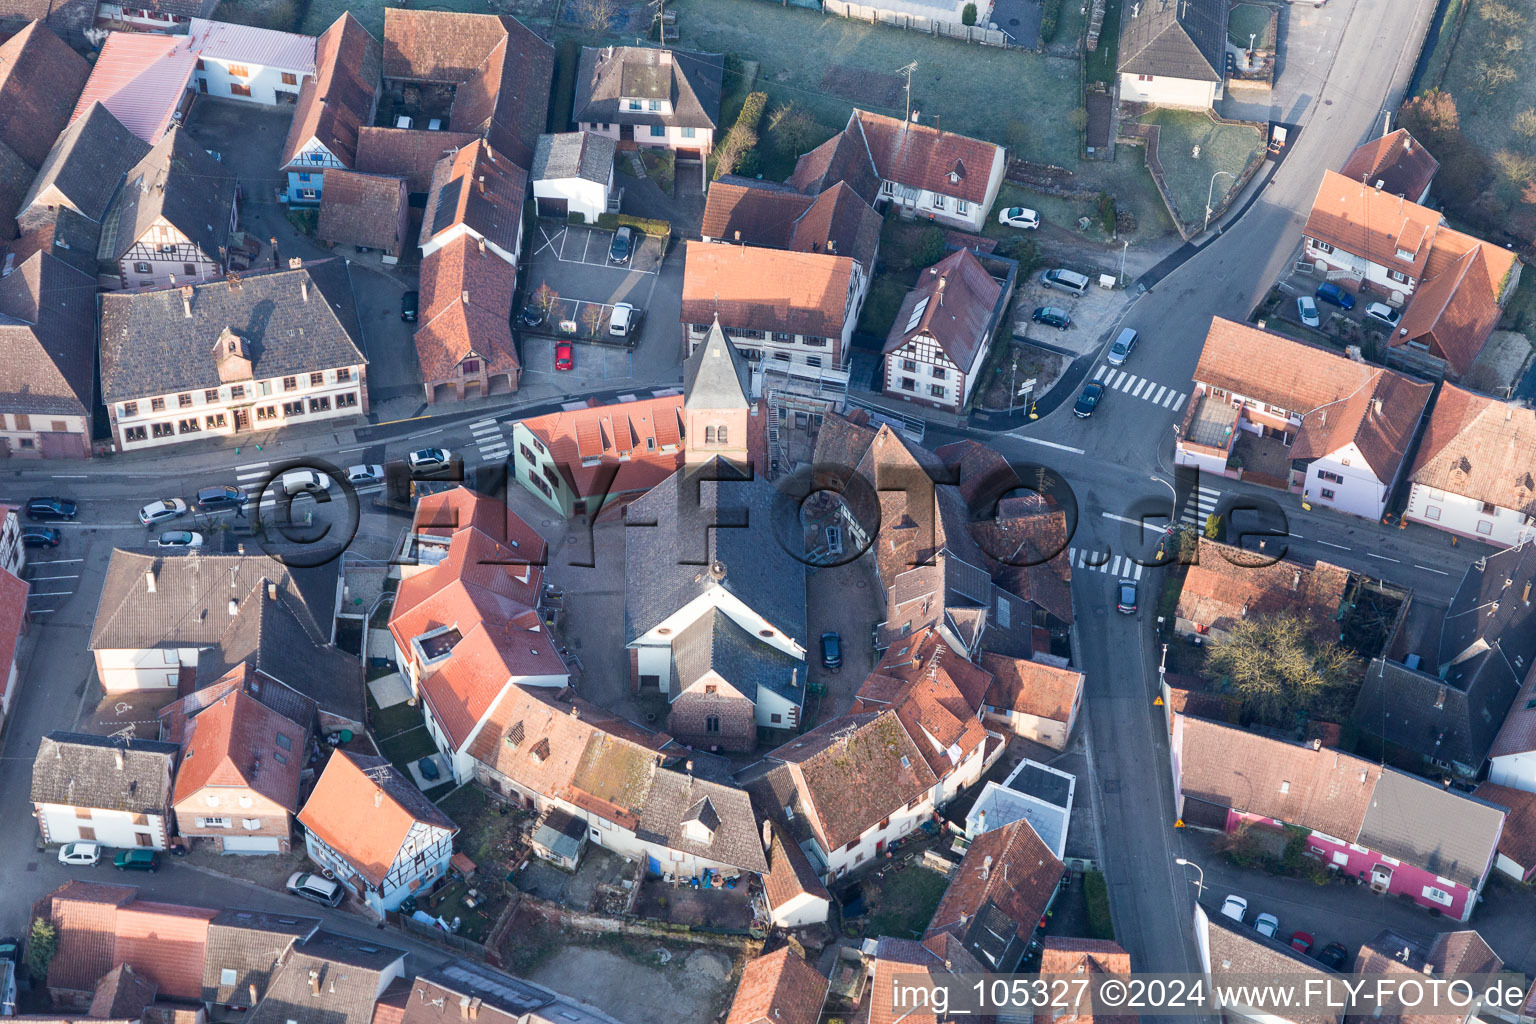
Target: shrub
<point x="1050" y="15"/>
<point x="1106" y="207"/>
<point x="930" y="247"/>
<point x="645" y="225"/>
<point x="968" y="16"/>
<point x="1100" y="924"/>
<point x="42" y="943"/>
<point x="743" y="134"/>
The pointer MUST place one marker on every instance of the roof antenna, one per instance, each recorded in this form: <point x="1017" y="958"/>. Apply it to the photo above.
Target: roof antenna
<point x="907" y="70"/>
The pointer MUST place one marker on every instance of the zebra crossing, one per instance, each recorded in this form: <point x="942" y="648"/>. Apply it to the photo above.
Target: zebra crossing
<point x="1201" y="508"/>
<point x="253" y="477"/>
<point x="1141" y="387"/>
<point x="1098" y="561"/>
<point x="490" y="440"/>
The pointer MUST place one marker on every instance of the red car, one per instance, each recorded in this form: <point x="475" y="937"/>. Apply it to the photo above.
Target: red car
<point x="563" y="358"/>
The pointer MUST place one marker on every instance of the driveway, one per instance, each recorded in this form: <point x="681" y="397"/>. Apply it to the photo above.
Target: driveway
<point x="1020" y="19"/>
<point x="592" y="247"/>
<point x="843" y="599"/>
<point x="1092" y="314"/>
<point x="1308" y="40"/>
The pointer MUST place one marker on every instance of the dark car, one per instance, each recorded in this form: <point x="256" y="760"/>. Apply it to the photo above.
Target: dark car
<point x="832" y="651"/>
<point x="137" y="860"/>
<point x="51" y="508"/>
<point x="532" y="316"/>
<point x="215" y="499"/>
<point x="1127" y="601"/>
<point x="1088" y="400"/>
<point x="623" y="244"/>
<point x="1333" y="955"/>
<point x="40" y="536"/>
<point x="429" y="769"/>
<point x="1052" y="317"/>
<point x="409" y="303"/>
<point x="1333" y="294"/>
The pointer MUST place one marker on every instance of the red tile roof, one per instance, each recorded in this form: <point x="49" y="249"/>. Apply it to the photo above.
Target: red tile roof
<point x="1009" y="867"/>
<point x="338" y="99"/>
<point x="1083" y="957"/>
<point x="1397" y="160"/>
<point x="925" y="158"/>
<point x="1518" y="733"/>
<point x="466" y="299"/>
<point x="362" y="209"/>
<point x="1481" y="448"/>
<point x="1518" y="840"/>
<point x="1379" y="419"/>
<point x="1377" y="226"/>
<point x="165" y="943"/>
<point x="934" y="691"/>
<point x="85" y="917"/>
<point x="766" y="289"/>
<point x="1228" y="584"/>
<point x="637" y="444"/>
<point x="749" y="215"/>
<point x="1453" y="312"/>
<point x="408" y="153"/>
<point x="952" y="306"/>
<point x="13" y="623"/>
<point x="778" y="988"/>
<point x="479" y="189"/>
<point x="40" y="78"/>
<point x="789" y="873"/>
<point x="1032" y="687"/>
<point x="943" y="958"/>
<point x="235" y="744"/>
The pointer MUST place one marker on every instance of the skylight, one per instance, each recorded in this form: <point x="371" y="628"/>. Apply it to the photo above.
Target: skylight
<point x="917" y="312"/>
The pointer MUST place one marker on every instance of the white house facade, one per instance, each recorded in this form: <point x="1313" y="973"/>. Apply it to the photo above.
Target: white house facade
<point x="118" y="829"/>
<point x="422" y="859"/>
<point x="1344" y="481"/>
<point x="253" y="65"/>
<point x="1469" y="517"/>
<point x="935" y="204"/>
<point x="1515" y="770"/>
<point x="1168" y="91"/>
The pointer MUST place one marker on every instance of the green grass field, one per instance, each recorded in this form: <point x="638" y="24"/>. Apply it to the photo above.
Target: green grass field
<point x="1223" y="147"/>
<point x="1250" y="19"/>
<point x="1488" y="110"/>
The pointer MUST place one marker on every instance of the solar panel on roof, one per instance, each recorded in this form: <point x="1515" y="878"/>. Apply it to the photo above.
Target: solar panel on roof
<point x="917" y="312"/>
<point x="447" y="205"/>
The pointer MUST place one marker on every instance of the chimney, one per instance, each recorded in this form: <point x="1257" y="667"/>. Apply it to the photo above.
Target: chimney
<point x="252" y="990"/>
<point x="272" y="590"/>
<point x="463" y="1007"/>
<point x="1525" y="595"/>
<point x="1296" y="580"/>
<point x="304" y="289"/>
<point x="464" y="296"/>
<point x="767" y="837"/>
<point x="186" y="301"/>
<point x="481" y="184"/>
<point x="234" y="607"/>
<point x="688" y="766"/>
<point x="482" y="246"/>
<point x="149" y="580"/>
<point x="378" y="798"/>
<point x="1317" y="744"/>
<point x="981" y="822"/>
<point x="717" y="571"/>
<point x="1376" y="406"/>
<point x="986" y="867"/>
<point x="474" y="1008"/>
<point x="1429" y="968"/>
<point x="314" y="983"/>
<point x="1407" y="143"/>
<point x="575" y="712"/>
<point x="117" y="756"/>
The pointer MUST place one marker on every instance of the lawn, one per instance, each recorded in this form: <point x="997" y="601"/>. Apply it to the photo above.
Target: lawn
<point x="902" y="903"/>
<point x="956" y="86"/>
<point x="390" y="721"/>
<point x="1488" y="110"/>
<point x="886" y="293"/>
<point x="1221" y="147"/>
<point x="1250" y="20"/>
<point x="1101" y="62"/>
<point x="408" y="746"/>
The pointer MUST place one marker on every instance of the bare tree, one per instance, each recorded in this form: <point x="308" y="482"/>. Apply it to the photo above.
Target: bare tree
<point x="595" y="15"/>
<point x="544" y="299"/>
<point x="592" y="318"/>
<point x="1279" y="667"/>
<point x="1524" y="124"/>
<point x="1513" y="171"/>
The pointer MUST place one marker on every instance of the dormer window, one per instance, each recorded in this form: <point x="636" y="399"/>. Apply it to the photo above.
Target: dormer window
<point x="1404" y="254"/>
<point x="636" y="105"/>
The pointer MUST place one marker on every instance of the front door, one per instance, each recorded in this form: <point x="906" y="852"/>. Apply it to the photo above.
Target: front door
<point x="242" y="420"/>
<point x="202" y="85"/>
<point x="626" y="133"/>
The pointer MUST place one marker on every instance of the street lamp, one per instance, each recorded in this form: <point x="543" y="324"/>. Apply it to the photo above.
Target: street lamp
<point x="1210" y="194"/>
<point x="1199" y="880"/>
<point x="1123" y="250"/>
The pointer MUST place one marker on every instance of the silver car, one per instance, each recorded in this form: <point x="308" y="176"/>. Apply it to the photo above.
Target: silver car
<point x="160" y="511"/>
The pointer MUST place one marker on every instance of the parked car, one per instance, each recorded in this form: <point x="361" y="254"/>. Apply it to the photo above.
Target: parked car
<point x="410" y="304"/>
<point x="622" y="320"/>
<point x="180" y="539"/>
<point x="565" y="358"/>
<point x="305" y="481"/>
<point x="1333" y="955"/>
<point x="41" y="536"/>
<point x="1306" y="308"/>
<point x="1088" y="400"/>
<point x="424" y="460"/>
<point x="1124" y="345"/>
<point x="51" y="508"/>
<point x="1018" y="217"/>
<point x="315" y="888"/>
<point x="137" y="860"/>
<point x="622" y="245"/>
<point x="215" y="499"/>
<point x="160" y="511"/>
<point x="1301" y="942"/>
<point x="358" y="475"/>
<point x="1127" y="601"/>
<point x="1065" y="280"/>
<point x="532" y="316"/>
<point x="1383" y="313"/>
<point x="10" y="949"/>
<point x="80" y="855"/>
<point x="1234" y="907"/>
<point x="1334" y="295"/>
<point x="1052" y="317"/>
<point x="832" y="651"/>
<point x="429" y="769"/>
<point x="1266" y="925"/>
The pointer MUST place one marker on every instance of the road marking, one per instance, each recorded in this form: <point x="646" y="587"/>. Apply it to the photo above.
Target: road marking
<point x="1384" y="558"/>
<point x="70" y="476"/>
<point x="1341" y="547"/>
<point x="39" y="579"/>
<point x="57" y="561"/>
<point x="1021" y="437"/>
<point x="1180" y="403"/>
<point x="53" y="593"/>
<point x="1125" y="519"/>
<point x="103" y="526"/>
<point x="429" y="433"/>
<point x="1137" y="392"/>
<point x="1161" y="391"/>
<point x="1137" y="573"/>
<point x="253" y="465"/>
<point x="1115" y="570"/>
<point x="1426" y="568"/>
<point x="1206" y="500"/>
<point x="483" y="423"/>
<point x="41" y="611"/>
<point x="480" y="432"/>
<point x="361" y="447"/>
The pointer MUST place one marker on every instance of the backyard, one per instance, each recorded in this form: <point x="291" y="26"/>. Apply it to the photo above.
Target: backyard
<point x="901" y="898"/>
<point x="1250" y="22"/>
<point x="1193" y="149"/>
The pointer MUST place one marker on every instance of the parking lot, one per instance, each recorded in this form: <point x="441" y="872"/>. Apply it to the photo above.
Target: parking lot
<point x="1092" y="314"/>
<point x="592" y="246"/>
<point x="593" y="362"/>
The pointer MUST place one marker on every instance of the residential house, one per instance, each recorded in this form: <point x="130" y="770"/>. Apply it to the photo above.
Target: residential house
<point x="172" y="220"/>
<point x="998" y="897"/>
<point x="464" y="344"/>
<point x="1459" y="954"/>
<point x="1331" y="427"/>
<point x="82" y="173"/>
<point x="69" y="19"/>
<point x="716" y="622"/>
<point x="792" y="893"/>
<point x="837" y="220"/>
<point x="500" y="71"/>
<point x="572" y="175"/>
<point x="1512" y="758"/>
<point x="101" y="926"/>
<point x="1227" y="584"/>
<point x="1445" y="702"/>
<point x="105" y="789"/>
<point x="717" y="403"/>
<point x="1173" y="54"/>
<point x="1234" y="952"/>
<point x="40" y="78"/>
<point x="243" y="354"/>
<point x="123" y="993"/>
<point x="13" y="623"/>
<point x="242" y="62"/>
<point x="1453" y="285"/>
<point x="595" y="459"/>
<point x="1395" y="832"/>
<point x="334" y="105"/>
<point x="368" y="211"/>
<point x="329" y="977"/>
<point x="667" y="99"/>
<point x="1517" y="846"/>
<point x="145" y="80"/>
<point x="1060" y="955"/>
<point x="923" y="172"/>
<point x="942" y="332"/>
<point x="368" y="823"/>
<point x="245" y="948"/>
<point x="407" y="153"/>
<point x="168" y="16"/>
<point x="1395" y="163"/>
<point x="635" y="790"/>
<point x="778" y="988"/>
<point x="1473" y="474"/>
<point x="1032" y="792"/>
<point x="238" y="784"/>
<point x="467" y="620"/>
<point x="1034" y="698"/>
<point x="938" y="962"/>
<point x="476" y="193"/>
<point x="466" y="988"/>
<point x="160" y="626"/>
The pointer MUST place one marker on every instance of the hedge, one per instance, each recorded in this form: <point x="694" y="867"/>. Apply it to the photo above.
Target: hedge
<point x="609" y="221"/>
<point x="1096" y="892"/>
<point x="968" y="15"/>
<point x="1050" y="14"/>
<point x="743" y="134"/>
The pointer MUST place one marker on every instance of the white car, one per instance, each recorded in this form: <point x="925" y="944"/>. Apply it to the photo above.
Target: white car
<point x="428" y="459"/>
<point x="1266" y="925"/>
<point x="364" y="474"/>
<point x="180" y="539"/>
<point x="621" y="320"/>
<point x="1383" y="313"/>
<point x="80" y="855"/>
<point x="1018" y="217"/>
<point x="1306" y="308"/>
<point x="1235" y="907"/>
<point x="160" y="511"/>
<point x="305" y="481"/>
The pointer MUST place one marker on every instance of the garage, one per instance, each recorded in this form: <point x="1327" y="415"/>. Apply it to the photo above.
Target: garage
<point x="553" y="206"/>
<point x="252" y="844"/>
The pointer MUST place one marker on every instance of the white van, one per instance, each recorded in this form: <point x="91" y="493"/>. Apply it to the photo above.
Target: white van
<point x="622" y="321"/>
<point x="315" y="888"/>
<point x="1065" y="280"/>
<point x="305" y="481"/>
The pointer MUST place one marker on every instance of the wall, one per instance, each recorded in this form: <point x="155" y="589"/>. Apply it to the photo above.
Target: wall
<point x="1046" y="731"/>
<point x="140" y="19"/>
<point x="59" y="824"/>
<point x="153" y="668"/>
<point x="953" y="383"/>
<point x="447" y="235"/>
<point x="949" y="27"/>
<point x="23" y="435"/>
<point x="1361" y="493"/>
<point x="587" y="198"/>
<point x="149" y="263"/>
<point x="265" y="83"/>
<point x="673" y="138"/>
<point x="529" y="453"/>
<point x="1360" y="271"/>
<point x="804" y="909"/>
<point x="903" y="820"/>
<point x="1463" y="516"/>
<point x="1169" y="92"/>
<point x="310" y="162"/>
<point x="1517" y="771"/>
<point x="238" y="806"/>
<point x="1510" y="868"/>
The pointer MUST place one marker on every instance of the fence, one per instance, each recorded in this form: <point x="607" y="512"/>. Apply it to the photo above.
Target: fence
<point x="916" y="23"/>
